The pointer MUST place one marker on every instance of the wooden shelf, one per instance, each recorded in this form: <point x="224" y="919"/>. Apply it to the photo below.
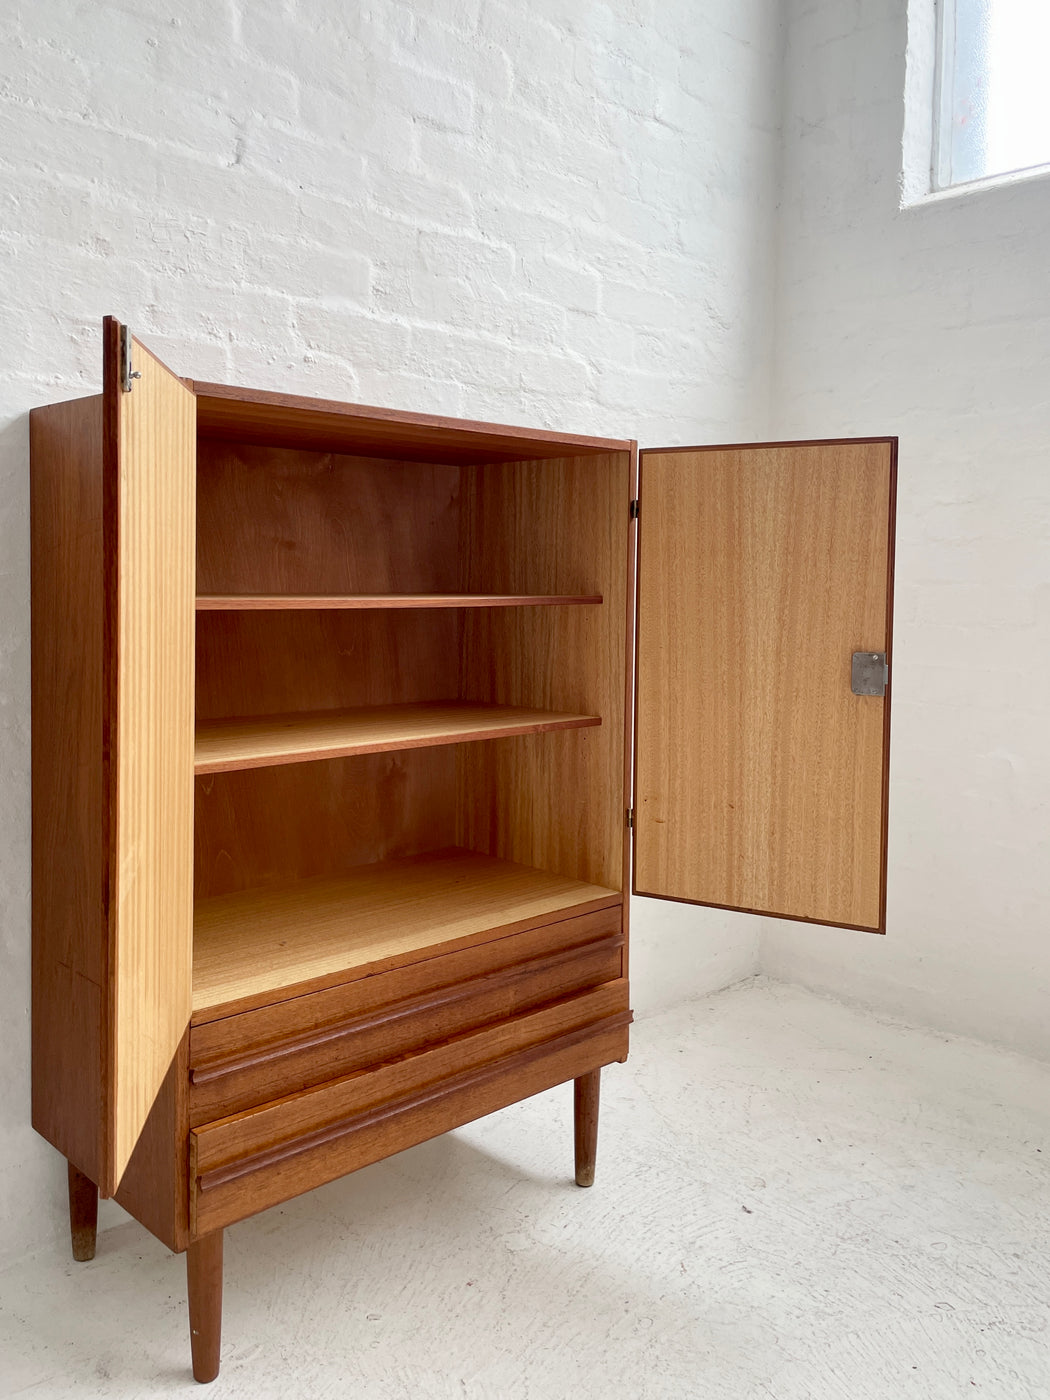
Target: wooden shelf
<point x="262" y="741"/>
<point x="251" y="944"/>
<point x="287" y="602"/>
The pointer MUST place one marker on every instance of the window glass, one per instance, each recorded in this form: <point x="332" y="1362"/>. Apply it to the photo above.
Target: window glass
<point x="994" y="102"/>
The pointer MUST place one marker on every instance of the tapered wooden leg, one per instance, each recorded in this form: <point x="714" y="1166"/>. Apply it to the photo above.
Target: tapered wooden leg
<point x="204" y="1285"/>
<point x="587" y="1089"/>
<point x="83" y="1214"/>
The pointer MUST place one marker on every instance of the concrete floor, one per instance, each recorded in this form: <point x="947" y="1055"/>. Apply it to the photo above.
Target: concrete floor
<point x="795" y="1201"/>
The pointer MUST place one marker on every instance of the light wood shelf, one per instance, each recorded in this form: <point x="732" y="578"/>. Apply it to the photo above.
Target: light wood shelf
<point x="256" y="942"/>
<point x="292" y="602"/>
<point x="263" y="741"/>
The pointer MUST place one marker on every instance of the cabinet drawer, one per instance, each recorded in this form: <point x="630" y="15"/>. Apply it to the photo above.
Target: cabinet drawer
<point x="257" y="1056"/>
<point x="256" y="1159"/>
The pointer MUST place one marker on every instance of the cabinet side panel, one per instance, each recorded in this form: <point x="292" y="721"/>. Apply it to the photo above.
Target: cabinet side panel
<point x="150" y="551"/>
<point x="556" y="801"/>
<point x="69" y="936"/>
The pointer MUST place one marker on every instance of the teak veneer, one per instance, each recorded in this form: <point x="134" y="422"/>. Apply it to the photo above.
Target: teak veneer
<point x="260" y="741"/>
<point x="290" y="602"/>
<point x="349" y="728"/>
<point x="258" y="942"/>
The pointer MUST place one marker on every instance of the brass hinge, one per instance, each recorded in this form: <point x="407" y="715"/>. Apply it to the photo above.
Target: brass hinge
<point x="630" y="817"/>
<point x="127" y="374"/>
<point x="634" y="509"/>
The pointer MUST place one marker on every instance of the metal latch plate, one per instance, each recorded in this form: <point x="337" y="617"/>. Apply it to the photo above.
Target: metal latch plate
<point x="870" y="673"/>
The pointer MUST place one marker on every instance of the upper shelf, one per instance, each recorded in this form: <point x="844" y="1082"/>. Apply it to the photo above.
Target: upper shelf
<point x="263" y="741"/>
<point x="286" y="602"/>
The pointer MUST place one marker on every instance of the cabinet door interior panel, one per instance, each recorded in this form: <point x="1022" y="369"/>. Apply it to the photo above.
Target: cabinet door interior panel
<point x="150" y="476"/>
<point x="760" y="775"/>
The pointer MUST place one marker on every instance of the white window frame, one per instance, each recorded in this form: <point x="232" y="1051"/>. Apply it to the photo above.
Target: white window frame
<point x="943" y="87"/>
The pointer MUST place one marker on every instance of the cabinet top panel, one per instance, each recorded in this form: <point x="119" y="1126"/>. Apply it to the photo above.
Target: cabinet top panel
<point x="285" y="420"/>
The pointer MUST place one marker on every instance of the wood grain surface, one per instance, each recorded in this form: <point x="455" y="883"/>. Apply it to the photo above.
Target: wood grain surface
<point x="586" y="1101"/>
<point x="262" y="941"/>
<point x="150" y="543"/>
<point x="226" y="1035"/>
<point x="70" y="941"/>
<point x="274" y="520"/>
<point x="154" y="1187"/>
<point x="204" y="1293"/>
<point x="259" y="741"/>
<point x="255" y="1074"/>
<point x="258" y="1158"/>
<point x="394" y="1126"/>
<point x="255" y="415"/>
<point x="760" y="776"/>
<point x="306" y="602"/>
<point x="233" y="1139"/>
<point x="553" y="801"/>
<point x="83" y="1214"/>
<point x="299" y="821"/>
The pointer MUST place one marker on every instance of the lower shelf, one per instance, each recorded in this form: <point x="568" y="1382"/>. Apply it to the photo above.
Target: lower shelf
<point x="295" y="938"/>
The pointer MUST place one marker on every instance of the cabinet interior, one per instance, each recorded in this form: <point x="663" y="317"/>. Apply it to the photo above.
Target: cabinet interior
<point x="407" y="649"/>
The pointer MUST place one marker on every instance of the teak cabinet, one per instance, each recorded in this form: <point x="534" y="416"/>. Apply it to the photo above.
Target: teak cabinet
<point x="337" y="717"/>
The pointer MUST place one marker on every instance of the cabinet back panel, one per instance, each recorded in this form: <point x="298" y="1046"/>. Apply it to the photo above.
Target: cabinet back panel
<point x="270" y="826"/>
<point x="556" y="801"/>
<point x="257" y="663"/>
<point x="280" y="520"/>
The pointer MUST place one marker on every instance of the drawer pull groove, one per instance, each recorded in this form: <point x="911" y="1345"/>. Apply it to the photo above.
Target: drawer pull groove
<point x="207" y="1071"/>
<point x="343" y="1127"/>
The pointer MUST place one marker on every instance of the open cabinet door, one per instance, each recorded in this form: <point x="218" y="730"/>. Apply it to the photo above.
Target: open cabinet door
<point x="148" y="709"/>
<point x="761" y="744"/>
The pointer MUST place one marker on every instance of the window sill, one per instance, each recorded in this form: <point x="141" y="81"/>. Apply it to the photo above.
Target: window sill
<point x="971" y="188"/>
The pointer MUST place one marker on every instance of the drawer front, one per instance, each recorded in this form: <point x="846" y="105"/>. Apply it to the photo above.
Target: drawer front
<point x="256" y="1159"/>
<point x="261" y="1055"/>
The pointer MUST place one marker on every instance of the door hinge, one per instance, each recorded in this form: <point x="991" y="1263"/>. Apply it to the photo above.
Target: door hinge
<point x="127" y="374"/>
<point x="634" y="509"/>
<point x="630" y="817"/>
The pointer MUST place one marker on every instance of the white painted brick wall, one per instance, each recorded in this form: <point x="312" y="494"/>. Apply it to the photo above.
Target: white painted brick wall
<point x="557" y="213"/>
<point x="933" y="322"/>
